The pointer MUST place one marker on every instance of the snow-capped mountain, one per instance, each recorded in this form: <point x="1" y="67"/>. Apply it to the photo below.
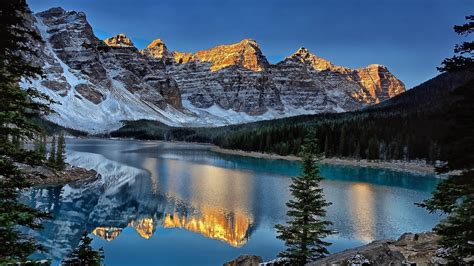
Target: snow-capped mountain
<point x="98" y="84"/>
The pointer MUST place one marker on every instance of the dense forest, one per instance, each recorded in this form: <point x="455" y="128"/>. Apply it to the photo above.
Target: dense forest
<point x="415" y="125"/>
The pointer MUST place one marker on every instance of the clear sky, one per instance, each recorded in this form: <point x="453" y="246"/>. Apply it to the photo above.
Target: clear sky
<point x="410" y="37"/>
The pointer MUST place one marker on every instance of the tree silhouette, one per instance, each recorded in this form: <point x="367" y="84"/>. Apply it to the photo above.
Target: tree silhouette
<point x="84" y="254"/>
<point x="304" y="231"/>
<point x="455" y="195"/>
<point x="17" y="108"/>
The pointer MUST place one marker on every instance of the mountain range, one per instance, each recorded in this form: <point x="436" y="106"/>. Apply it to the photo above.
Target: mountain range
<point x="98" y="84"/>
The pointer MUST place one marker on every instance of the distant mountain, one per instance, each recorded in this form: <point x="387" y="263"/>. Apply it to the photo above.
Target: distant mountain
<point x="432" y="121"/>
<point x="98" y="84"/>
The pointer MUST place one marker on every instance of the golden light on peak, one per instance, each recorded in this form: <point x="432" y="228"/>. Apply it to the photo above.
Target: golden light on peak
<point x="107" y="233"/>
<point x="215" y="224"/>
<point x="144" y="227"/>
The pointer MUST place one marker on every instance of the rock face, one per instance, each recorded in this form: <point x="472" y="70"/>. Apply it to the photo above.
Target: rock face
<point x="245" y="53"/>
<point x="97" y="84"/>
<point x="157" y="49"/>
<point x="375" y="82"/>
<point x="100" y="83"/>
<point x="119" y="41"/>
<point x="245" y="260"/>
<point x="409" y="249"/>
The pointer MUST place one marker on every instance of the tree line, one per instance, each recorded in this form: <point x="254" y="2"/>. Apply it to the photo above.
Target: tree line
<point x="393" y="136"/>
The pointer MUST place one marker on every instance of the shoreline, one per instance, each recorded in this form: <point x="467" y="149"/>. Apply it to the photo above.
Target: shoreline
<point x="414" y="248"/>
<point x="417" y="167"/>
<point x="45" y="177"/>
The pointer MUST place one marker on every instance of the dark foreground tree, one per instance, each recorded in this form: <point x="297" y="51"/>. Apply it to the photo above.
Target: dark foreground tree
<point x="304" y="231"/>
<point x="455" y="195"/>
<point x="84" y="254"/>
<point x="464" y="58"/>
<point x="17" y="107"/>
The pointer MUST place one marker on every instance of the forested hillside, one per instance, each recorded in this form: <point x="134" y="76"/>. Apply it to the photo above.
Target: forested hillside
<point x="415" y="125"/>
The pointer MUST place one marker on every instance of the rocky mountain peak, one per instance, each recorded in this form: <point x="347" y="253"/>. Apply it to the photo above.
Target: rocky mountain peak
<point x="156" y="43"/>
<point x="55" y="11"/>
<point x="378" y="82"/>
<point x="376" y="67"/>
<point x="119" y="40"/>
<point x="249" y="42"/>
<point x="245" y="53"/>
<point x="303" y="55"/>
<point x="157" y="49"/>
<point x="62" y="16"/>
<point x="140" y="86"/>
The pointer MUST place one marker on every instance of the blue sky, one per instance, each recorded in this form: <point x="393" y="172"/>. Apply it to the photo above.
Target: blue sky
<point x="410" y="37"/>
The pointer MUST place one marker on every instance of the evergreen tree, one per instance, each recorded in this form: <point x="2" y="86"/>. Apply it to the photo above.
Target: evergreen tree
<point x="342" y="142"/>
<point x="455" y="195"/>
<point x="52" y="153"/>
<point x="304" y="231"/>
<point x="464" y="58"/>
<point x="40" y="146"/>
<point x="373" y="149"/>
<point x="17" y="109"/>
<point x="326" y="146"/>
<point x="84" y="254"/>
<point x="61" y="153"/>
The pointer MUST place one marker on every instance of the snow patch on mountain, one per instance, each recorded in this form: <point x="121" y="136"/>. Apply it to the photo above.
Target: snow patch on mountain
<point x="98" y="85"/>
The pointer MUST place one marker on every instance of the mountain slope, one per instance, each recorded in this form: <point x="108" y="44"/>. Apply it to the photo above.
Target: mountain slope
<point x="432" y="121"/>
<point x="98" y="84"/>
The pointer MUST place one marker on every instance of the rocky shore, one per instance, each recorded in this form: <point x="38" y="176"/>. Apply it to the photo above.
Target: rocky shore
<point x="418" y="167"/>
<point x="409" y="249"/>
<point x="43" y="176"/>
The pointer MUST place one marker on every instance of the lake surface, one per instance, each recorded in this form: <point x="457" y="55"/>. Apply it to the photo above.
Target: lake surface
<point x="159" y="203"/>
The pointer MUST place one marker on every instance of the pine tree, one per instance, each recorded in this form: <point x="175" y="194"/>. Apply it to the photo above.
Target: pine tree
<point x="464" y="58"/>
<point x="52" y="153"/>
<point x="17" y="109"/>
<point x="60" y="153"/>
<point x="342" y="142"/>
<point x="40" y="146"/>
<point x="84" y="254"/>
<point x="304" y="231"/>
<point x="373" y="149"/>
<point x="455" y="195"/>
<point x="326" y="146"/>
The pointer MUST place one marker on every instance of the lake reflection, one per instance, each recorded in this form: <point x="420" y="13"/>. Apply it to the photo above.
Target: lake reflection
<point x="174" y="204"/>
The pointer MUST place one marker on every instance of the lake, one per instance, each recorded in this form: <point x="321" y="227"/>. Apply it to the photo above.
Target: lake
<point x="159" y="203"/>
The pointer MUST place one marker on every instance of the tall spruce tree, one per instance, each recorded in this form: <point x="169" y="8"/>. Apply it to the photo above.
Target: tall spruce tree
<point x="84" y="254"/>
<point x="17" y="107"/>
<point x="61" y="153"/>
<point x="455" y="195"/>
<point x="464" y="56"/>
<point x="304" y="231"/>
<point x="52" y="153"/>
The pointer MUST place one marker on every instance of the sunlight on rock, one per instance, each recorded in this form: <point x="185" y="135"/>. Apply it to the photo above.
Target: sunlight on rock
<point x="231" y="228"/>
<point x="107" y="233"/>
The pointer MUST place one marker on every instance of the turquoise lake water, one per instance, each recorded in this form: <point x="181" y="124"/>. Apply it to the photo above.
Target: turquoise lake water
<point x="159" y="203"/>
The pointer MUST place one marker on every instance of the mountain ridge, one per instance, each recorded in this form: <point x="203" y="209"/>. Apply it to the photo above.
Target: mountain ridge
<point x="101" y="83"/>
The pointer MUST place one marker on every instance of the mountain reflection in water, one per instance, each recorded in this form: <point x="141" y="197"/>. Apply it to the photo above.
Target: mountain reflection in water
<point x="183" y="198"/>
<point x="213" y="223"/>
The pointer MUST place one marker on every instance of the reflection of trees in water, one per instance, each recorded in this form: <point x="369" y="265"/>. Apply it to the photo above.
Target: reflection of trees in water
<point x="222" y="197"/>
